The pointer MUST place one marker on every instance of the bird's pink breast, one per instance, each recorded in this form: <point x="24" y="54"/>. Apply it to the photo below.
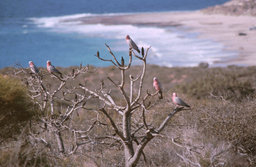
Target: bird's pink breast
<point x="156" y="85"/>
<point x="173" y="100"/>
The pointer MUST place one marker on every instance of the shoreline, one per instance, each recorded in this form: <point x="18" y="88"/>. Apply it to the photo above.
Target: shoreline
<point x="231" y="31"/>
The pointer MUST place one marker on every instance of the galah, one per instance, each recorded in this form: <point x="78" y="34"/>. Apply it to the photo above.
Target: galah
<point x="178" y="101"/>
<point x="157" y="86"/>
<point x="132" y="44"/>
<point x="33" y="67"/>
<point x="51" y="69"/>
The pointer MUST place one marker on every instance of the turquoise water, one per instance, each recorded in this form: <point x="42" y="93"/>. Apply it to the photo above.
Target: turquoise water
<point x="30" y="30"/>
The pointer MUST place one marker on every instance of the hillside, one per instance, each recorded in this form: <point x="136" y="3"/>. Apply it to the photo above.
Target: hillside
<point x="219" y="129"/>
<point x="234" y="7"/>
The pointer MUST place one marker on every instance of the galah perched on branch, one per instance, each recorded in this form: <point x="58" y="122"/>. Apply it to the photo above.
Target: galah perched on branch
<point x="51" y="69"/>
<point x="178" y="101"/>
<point x="157" y="86"/>
<point x="33" y="67"/>
<point x="132" y="44"/>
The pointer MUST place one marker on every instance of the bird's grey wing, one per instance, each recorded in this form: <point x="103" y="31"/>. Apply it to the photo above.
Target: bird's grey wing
<point x="36" y="69"/>
<point x="181" y="102"/>
<point x="55" y="70"/>
<point x="135" y="46"/>
<point x="160" y="86"/>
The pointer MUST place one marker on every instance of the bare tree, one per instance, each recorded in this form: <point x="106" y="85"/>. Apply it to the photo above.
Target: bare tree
<point x="58" y="101"/>
<point x="132" y="133"/>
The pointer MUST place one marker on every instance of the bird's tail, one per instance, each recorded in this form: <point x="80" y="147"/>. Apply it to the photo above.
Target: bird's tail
<point x="160" y="95"/>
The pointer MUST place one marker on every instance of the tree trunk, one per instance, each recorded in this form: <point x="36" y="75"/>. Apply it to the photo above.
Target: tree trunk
<point x="128" y="146"/>
<point x="128" y="152"/>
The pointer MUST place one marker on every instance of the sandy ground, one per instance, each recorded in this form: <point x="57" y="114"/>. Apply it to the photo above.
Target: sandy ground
<point x="221" y="28"/>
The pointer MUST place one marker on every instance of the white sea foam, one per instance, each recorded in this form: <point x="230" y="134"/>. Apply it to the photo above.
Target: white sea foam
<point x="50" y="22"/>
<point x="168" y="48"/>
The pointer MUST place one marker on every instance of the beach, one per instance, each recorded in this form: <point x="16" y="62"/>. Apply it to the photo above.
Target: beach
<point x="236" y="33"/>
<point x="179" y="36"/>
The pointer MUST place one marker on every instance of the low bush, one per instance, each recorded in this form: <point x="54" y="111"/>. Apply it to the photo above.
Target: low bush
<point x="15" y="107"/>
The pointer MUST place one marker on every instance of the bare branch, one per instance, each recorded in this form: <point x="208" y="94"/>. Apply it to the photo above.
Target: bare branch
<point x="112" y="54"/>
<point x="59" y="142"/>
<point x="122" y="79"/>
<point x="188" y="161"/>
<point x="132" y="80"/>
<point x="101" y="98"/>
<point x="112" y="82"/>
<point x="111" y="100"/>
<point x="108" y="60"/>
<point x="144" y="118"/>
<point x="164" y="123"/>
<point x="141" y="79"/>
<point x="113" y="124"/>
<point x="121" y="90"/>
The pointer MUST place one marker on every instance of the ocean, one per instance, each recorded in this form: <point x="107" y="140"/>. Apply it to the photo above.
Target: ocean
<point x="32" y="30"/>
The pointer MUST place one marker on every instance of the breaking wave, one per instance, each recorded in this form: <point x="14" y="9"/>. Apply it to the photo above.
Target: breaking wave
<point x="169" y="46"/>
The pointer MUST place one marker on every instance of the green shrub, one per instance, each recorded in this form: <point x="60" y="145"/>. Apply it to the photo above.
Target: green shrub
<point x="15" y="106"/>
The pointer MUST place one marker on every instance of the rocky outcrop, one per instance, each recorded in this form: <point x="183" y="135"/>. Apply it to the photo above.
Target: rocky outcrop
<point x="234" y="7"/>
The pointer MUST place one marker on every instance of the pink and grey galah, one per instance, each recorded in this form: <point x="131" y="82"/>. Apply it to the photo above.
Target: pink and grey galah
<point x="33" y="67"/>
<point x="51" y="69"/>
<point x="158" y="87"/>
<point x="132" y="44"/>
<point x="178" y="101"/>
